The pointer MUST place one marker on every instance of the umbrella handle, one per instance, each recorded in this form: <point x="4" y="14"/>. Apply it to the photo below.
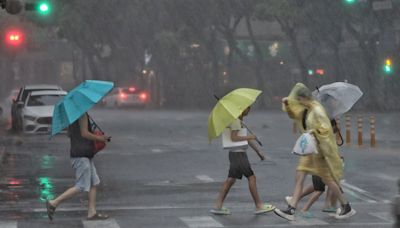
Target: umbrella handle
<point x="259" y="142"/>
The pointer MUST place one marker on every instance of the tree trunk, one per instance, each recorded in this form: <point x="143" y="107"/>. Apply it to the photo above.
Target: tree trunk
<point x="259" y="63"/>
<point x="337" y="65"/>
<point x="300" y="60"/>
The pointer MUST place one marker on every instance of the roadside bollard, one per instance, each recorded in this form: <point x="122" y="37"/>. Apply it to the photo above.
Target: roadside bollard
<point x="360" y="127"/>
<point x="348" y="126"/>
<point x="372" y="128"/>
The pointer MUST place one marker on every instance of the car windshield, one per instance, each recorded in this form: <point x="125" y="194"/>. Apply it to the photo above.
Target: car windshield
<point x="44" y="100"/>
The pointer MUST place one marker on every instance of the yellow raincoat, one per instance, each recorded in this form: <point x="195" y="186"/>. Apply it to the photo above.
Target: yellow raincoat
<point x="327" y="163"/>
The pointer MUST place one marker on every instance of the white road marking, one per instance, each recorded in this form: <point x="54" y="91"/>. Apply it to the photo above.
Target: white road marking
<point x="200" y="221"/>
<point x="156" y="151"/>
<point x="383" y="215"/>
<point x="385" y="177"/>
<point x="109" y="223"/>
<point x="8" y="225"/>
<point x="205" y="178"/>
<point x="358" y="192"/>
<point x="373" y="225"/>
<point x="308" y="222"/>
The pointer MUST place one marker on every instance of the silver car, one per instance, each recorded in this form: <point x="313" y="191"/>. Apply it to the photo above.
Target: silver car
<point x="37" y="112"/>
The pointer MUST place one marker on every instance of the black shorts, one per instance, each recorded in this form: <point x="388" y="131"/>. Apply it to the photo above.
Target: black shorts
<point x="239" y="165"/>
<point x="318" y="184"/>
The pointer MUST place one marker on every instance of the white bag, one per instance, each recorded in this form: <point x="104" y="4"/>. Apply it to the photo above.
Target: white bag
<point x="306" y="144"/>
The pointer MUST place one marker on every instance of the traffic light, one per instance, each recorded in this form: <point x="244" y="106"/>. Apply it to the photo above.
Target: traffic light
<point x="350" y="2"/>
<point x="14" y="38"/>
<point x="388" y="67"/>
<point x="310" y="72"/>
<point x="42" y="7"/>
<point x="320" y="72"/>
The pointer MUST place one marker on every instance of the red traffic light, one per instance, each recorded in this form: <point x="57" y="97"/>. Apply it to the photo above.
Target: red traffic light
<point x="320" y="71"/>
<point x="14" y="37"/>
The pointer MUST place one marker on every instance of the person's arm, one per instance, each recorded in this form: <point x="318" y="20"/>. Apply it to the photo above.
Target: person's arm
<point x="85" y="133"/>
<point x="237" y="138"/>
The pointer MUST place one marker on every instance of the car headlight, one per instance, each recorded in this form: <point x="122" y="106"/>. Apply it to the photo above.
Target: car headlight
<point x="31" y="118"/>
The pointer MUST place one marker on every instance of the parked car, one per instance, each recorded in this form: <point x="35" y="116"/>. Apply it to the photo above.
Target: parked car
<point x="18" y="103"/>
<point x="37" y="112"/>
<point x="127" y="96"/>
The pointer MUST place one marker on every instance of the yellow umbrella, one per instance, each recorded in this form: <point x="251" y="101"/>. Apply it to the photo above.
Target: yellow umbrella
<point x="228" y="109"/>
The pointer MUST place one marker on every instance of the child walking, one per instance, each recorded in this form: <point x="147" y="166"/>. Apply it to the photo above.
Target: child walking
<point x="236" y="140"/>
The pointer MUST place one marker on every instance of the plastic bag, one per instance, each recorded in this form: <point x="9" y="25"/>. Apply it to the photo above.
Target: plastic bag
<point x="306" y="144"/>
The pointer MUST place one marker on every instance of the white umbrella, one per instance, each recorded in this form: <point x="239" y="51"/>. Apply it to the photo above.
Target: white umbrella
<point x="338" y="97"/>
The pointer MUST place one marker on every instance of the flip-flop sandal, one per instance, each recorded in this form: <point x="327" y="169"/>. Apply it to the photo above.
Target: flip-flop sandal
<point x="329" y="210"/>
<point x="50" y="210"/>
<point x="222" y="211"/>
<point x="98" y="216"/>
<point x="266" y="208"/>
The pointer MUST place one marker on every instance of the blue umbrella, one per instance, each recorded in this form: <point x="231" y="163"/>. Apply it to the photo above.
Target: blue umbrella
<point x="77" y="102"/>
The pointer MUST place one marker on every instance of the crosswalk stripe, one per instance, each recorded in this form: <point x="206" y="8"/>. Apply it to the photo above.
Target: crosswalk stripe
<point x="308" y="222"/>
<point x="109" y="223"/>
<point x="8" y="224"/>
<point x="382" y="215"/>
<point x="205" y="178"/>
<point x="200" y="221"/>
<point x="358" y="193"/>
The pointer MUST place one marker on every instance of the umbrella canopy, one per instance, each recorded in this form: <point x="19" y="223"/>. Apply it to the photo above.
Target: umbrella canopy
<point x="229" y="108"/>
<point x="77" y="102"/>
<point x="338" y="97"/>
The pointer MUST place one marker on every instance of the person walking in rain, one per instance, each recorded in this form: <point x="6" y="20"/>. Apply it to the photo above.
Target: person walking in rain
<point x="227" y="118"/>
<point x="240" y="166"/>
<point x="71" y="112"/>
<point x="327" y="164"/>
<point x="87" y="180"/>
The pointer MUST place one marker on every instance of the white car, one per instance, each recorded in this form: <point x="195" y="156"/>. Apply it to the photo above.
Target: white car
<point x="126" y="96"/>
<point x="37" y="112"/>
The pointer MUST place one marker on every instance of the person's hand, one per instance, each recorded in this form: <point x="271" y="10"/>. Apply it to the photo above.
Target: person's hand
<point x="252" y="137"/>
<point x="285" y="101"/>
<point x="262" y="157"/>
<point x="104" y="138"/>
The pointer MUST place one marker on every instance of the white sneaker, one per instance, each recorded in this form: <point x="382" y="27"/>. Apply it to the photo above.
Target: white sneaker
<point x="288" y="199"/>
<point x="341" y="215"/>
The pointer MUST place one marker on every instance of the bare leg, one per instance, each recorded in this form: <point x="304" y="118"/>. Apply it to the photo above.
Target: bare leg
<point x="92" y="201"/>
<point x="314" y="197"/>
<point x="333" y="200"/>
<point x="300" y="176"/>
<point x="254" y="193"/>
<point x="66" y="195"/>
<point x="337" y="192"/>
<point x="307" y="191"/>
<point x="328" y="199"/>
<point x="224" y="192"/>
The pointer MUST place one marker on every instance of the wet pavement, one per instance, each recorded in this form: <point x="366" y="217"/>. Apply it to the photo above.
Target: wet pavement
<point x="160" y="171"/>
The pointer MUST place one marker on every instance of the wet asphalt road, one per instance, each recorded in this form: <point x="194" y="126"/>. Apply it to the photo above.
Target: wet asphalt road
<point x="160" y="171"/>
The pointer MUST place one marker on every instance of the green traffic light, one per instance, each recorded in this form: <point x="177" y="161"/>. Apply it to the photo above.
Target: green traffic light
<point x="44" y="8"/>
<point x="350" y="1"/>
<point x="388" y="69"/>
